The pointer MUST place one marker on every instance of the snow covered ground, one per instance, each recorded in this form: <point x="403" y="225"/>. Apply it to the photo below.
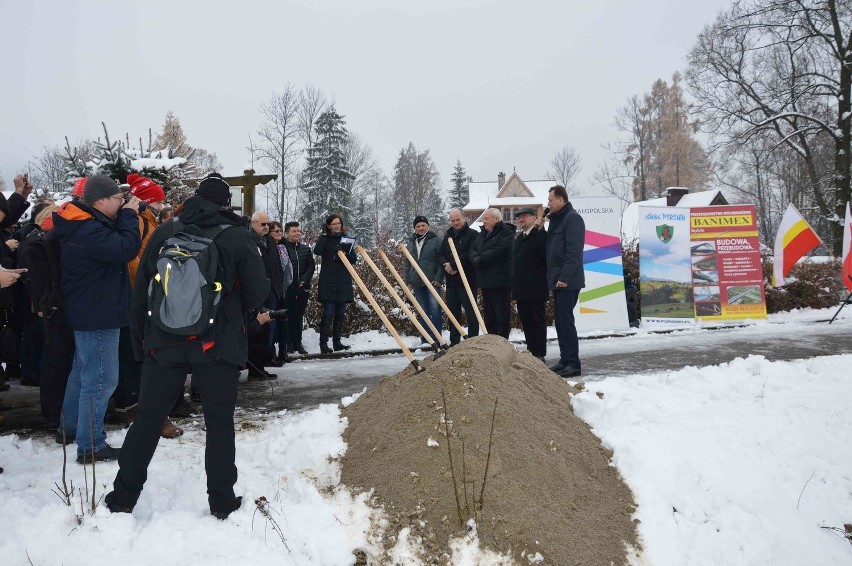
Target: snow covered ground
<point x="740" y="463"/>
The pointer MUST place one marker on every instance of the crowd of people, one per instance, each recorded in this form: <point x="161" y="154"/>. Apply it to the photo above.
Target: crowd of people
<point x="94" y="327"/>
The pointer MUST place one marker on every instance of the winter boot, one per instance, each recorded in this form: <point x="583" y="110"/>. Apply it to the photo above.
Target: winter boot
<point x="338" y="332"/>
<point x="325" y="328"/>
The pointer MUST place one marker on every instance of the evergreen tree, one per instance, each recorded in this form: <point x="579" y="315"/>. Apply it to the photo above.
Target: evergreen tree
<point x="327" y="176"/>
<point x="460" y="190"/>
<point x="363" y="227"/>
<point x="117" y="159"/>
<point x="173" y="138"/>
<point x="415" y="190"/>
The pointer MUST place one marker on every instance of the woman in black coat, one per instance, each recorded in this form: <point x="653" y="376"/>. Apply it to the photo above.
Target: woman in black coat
<point x="335" y="283"/>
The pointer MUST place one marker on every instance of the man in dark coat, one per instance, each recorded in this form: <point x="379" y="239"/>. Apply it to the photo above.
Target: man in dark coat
<point x="492" y="256"/>
<point x="335" y="284"/>
<point x="274" y="272"/>
<point x="299" y="291"/>
<point x="530" y="287"/>
<point x="97" y="237"/>
<point x="10" y="321"/>
<point x="566" y="238"/>
<point x="214" y="358"/>
<point x="456" y="295"/>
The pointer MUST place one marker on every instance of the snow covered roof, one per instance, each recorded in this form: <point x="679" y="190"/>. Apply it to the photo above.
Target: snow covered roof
<point x="483" y="194"/>
<point x="630" y="218"/>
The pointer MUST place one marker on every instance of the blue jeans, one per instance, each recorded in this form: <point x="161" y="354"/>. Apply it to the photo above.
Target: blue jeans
<point x="430" y="306"/>
<point x="93" y="378"/>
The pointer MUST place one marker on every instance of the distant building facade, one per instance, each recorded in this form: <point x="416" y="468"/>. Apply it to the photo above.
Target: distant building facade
<point x="507" y="195"/>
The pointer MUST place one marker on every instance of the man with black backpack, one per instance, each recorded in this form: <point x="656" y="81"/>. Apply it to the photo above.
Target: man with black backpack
<point x="199" y="277"/>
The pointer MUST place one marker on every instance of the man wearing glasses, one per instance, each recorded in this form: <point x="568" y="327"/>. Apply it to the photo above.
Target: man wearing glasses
<point x="274" y="272"/>
<point x="98" y="236"/>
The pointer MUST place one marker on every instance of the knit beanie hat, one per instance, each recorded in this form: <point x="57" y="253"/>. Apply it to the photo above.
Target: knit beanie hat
<point x="145" y="189"/>
<point x="214" y="188"/>
<point x="77" y="191"/>
<point x="420" y="218"/>
<point x="98" y="187"/>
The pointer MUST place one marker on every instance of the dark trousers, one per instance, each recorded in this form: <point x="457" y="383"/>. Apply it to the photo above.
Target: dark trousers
<point x="32" y="345"/>
<point x="456" y="299"/>
<point x="531" y="314"/>
<point x="296" y="303"/>
<point x="564" y="302"/>
<point x="497" y="310"/>
<point x="56" y="360"/>
<point x="260" y="353"/>
<point x="163" y="376"/>
<point x="129" y="372"/>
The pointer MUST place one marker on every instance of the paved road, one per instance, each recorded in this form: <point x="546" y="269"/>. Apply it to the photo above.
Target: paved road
<point x="307" y="384"/>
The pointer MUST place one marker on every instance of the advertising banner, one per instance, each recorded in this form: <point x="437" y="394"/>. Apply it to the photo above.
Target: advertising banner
<point x="727" y="274"/>
<point x="665" y="267"/>
<point x="602" y="304"/>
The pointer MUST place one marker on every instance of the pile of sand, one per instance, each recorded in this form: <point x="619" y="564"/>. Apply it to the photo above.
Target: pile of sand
<point x="550" y="488"/>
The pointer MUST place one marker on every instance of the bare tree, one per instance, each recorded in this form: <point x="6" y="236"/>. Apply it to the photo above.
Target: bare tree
<point x="312" y="102"/>
<point x="613" y="176"/>
<point x="565" y="166"/>
<point x="369" y="185"/>
<point x="280" y="135"/>
<point x="47" y="172"/>
<point x="783" y="69"/>
<point x="415" y="188"/>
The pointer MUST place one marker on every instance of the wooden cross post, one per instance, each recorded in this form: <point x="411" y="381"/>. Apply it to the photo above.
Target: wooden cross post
<point x="248" y="181"/>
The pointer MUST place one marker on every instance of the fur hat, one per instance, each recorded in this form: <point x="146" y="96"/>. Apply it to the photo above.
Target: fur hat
<point x="215" y="189"/>
<point x="145" y="189"/>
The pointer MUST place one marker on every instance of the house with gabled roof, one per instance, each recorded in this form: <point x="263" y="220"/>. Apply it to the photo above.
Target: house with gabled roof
<point x="507" y="195"/>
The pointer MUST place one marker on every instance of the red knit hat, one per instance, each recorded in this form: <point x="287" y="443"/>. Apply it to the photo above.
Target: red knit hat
<point x="145" y="189"/>
<point x="77" y="191"/>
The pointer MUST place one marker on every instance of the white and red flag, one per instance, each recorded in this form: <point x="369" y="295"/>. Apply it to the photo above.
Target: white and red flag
<point x="795" y="238"/>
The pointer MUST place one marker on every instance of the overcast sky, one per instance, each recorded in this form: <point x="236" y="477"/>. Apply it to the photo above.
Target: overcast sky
<point x="498" y="84"/>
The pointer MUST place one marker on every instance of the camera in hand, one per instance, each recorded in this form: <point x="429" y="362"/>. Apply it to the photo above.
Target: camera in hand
<point x="142" y="204"/>
<point x="280" y="314"/>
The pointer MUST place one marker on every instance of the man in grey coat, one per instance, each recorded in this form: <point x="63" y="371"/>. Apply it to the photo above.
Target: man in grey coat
<point x="425" y="246"/>
<point x="566" y="237"/>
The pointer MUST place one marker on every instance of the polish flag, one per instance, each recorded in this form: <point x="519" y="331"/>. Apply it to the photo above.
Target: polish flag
<point x="847" y="244"/>
<point x="795" y="238"/>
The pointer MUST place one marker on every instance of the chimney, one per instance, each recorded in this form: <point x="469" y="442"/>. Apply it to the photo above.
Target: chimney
<point x="501" y="180"/>
<point x="674" y="194"/>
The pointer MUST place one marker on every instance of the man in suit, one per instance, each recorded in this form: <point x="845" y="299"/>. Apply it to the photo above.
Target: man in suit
<point x="530" y="285"/>
<point x="566" y="237"/>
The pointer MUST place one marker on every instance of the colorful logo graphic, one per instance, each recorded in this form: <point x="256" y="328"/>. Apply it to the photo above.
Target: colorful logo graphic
<point x="665" y="233"/>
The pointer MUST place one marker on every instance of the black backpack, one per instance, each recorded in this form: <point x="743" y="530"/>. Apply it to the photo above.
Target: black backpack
<point x="184" y="294"/>
<point x="39" y="254"/>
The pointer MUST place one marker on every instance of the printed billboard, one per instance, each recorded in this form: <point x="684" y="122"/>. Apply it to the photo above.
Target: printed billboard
<point x="700" y="263"/>
<point x="727" y="274"/>
<point x="665" y="267"/>
<point x="602" y="304"/>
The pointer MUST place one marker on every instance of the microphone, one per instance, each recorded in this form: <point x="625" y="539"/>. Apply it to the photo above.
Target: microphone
<point x="546" y="212"/>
